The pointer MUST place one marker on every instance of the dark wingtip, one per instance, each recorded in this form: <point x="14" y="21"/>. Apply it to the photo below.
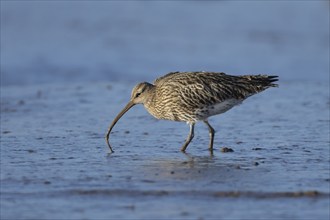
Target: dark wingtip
<point x="272" y="79"/>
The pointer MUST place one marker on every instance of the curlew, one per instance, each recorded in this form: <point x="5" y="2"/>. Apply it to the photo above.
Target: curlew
<point x="194" y="96"/>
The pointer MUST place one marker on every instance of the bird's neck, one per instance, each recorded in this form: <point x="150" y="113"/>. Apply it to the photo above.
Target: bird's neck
<point x="149" y="100"/>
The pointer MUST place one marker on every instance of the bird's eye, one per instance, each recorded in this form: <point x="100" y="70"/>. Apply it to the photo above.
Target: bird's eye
<point x="137" y="94"/>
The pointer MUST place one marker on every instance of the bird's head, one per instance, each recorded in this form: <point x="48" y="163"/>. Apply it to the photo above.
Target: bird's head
<point x="140" y="92"/>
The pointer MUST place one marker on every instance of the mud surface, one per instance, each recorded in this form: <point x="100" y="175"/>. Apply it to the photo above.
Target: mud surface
<point x="55" y="163"/>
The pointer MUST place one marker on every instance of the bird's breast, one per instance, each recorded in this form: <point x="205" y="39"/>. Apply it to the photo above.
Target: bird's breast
<point x="173" y="112"/>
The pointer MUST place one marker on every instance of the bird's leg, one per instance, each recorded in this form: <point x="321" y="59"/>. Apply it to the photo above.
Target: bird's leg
<point x="211" y="132"/>
<point x="189" y="138"/>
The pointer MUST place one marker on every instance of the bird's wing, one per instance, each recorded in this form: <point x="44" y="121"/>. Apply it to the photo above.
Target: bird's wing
<point x="165" y="78"/>
<point x="213" y="87"/>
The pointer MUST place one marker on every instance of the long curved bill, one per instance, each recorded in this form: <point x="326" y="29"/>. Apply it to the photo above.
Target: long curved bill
<point x="129" y="105"/>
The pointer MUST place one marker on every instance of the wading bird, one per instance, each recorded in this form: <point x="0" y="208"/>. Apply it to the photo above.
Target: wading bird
<point x="194" y="96"/>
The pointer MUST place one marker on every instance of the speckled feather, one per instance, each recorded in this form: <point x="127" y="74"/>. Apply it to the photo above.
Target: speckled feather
<point x="191" y="96"/>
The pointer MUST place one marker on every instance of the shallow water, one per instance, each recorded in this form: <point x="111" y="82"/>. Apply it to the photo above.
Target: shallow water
<point x="54" y="160"/>
<point x="54" y="157"/>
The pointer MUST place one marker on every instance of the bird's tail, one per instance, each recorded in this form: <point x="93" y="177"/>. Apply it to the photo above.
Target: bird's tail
<point x="264" y="81"/>
<point x="272" y="79"/>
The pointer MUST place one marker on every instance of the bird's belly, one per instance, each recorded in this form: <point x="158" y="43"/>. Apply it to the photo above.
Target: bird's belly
<point x="219" y="108"/>
<point x="191" y="115"/>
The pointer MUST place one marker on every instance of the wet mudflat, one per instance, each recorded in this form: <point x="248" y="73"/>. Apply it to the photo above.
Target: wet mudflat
<point x="55" y="163"/>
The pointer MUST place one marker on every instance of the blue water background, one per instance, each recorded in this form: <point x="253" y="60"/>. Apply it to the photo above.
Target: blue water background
<point x="88" y="41"/>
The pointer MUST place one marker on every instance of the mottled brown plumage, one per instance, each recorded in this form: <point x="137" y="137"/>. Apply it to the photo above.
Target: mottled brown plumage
<point x="194" y="96"/>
